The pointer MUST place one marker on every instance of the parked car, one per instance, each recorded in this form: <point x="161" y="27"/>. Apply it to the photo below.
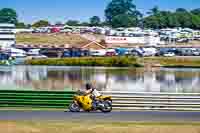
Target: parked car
<point x="4" y="56"/>
<point x="51" y="53"/>
<point x="144" y="52"/>
<point x="195" y="52"/>
<point x="169" y="54"/>
<point x="98" y="52"/>
<point x="33" y="52"/>
<point x="66" y="53"/>
<point x="190" y="52"/>
<point x="74" y="53"/>
<point x="183" y="40"/>
<point x="39" y="57"/>
<point x="65" y="31"/>
<point x="111" y="52"/>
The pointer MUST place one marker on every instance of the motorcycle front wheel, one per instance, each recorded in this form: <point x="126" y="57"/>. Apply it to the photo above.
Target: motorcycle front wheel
<point x="74" y="107"/>
<point x="107" y="106"/>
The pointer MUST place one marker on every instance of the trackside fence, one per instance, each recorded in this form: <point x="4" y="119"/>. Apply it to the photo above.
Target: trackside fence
<point x="37" y="99"/>
<point x="155" y="101"/>
<point x="121" y="100"/>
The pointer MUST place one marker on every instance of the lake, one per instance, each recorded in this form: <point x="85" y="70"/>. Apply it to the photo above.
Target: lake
<point x="107" y="79"/>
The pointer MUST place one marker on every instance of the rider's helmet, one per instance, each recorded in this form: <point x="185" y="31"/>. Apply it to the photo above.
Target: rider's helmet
<point x="88" y="86"/>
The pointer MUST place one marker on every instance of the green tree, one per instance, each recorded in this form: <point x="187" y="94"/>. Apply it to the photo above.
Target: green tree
<point x="181" y="10"/>
<point x="196" y="12"/>
<point x="173" y="21"/>
<point x="104" y="23"/>
<point x="29" y="25"/>
<point x="95" y="21"/>
<point x="195" y="18"/>
<point x="8" y="15"/>
<point x="154" y="11"/>
<point x="73" y="23"/>
<point x="118" y="9"/>
<point x="151" y="22"/>
<point x="21" y="25"/>
<point x="158" y="19"/>
<point x="195" y="21"/>
<point x="123" y="20"/>
<point x="84" y="24"/>
<point x="180" y="18"/>
<point x="41" y="23"/>
<point x="58" y="23"/>
<point x="184" y="18"/>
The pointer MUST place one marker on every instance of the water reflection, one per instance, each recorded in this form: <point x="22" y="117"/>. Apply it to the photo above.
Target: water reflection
<point x="109" y="79"/>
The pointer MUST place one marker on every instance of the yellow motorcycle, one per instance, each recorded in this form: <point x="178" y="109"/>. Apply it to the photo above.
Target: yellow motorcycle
<point x="90" y="103"/>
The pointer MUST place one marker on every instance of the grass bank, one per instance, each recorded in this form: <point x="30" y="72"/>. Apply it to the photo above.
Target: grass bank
<point x="50" y="39"/>
<point x="88" y="61"/>
<point x="96" y="127"/>
<point x="192" y="62"/>
<point x="178" y="62"/>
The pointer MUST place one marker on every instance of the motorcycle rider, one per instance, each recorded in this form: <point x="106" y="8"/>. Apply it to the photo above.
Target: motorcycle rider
<point x="89" y="89"/>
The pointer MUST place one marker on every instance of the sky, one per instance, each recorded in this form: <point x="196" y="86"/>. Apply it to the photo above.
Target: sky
<point x="30" y="11"/>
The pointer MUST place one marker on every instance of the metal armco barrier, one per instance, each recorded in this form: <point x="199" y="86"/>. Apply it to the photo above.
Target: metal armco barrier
<point x="121" y="100"/>
<point x="155" y="101"/>
<point x="37" y="99"/>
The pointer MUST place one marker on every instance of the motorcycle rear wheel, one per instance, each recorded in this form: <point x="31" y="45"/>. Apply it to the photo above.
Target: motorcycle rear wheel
<point x="74" y="107"/>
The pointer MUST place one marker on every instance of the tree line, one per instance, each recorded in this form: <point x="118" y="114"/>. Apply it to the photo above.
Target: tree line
<point x="179" y="18"/>
<point x="122" y="13"/>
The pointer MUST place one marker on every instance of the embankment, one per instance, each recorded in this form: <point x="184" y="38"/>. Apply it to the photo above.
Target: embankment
<point x="88" y="61"/>
<point x="178" y="62"/>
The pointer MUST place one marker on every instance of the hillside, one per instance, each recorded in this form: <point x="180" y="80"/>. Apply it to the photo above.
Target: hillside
<point x="50" y="39"/>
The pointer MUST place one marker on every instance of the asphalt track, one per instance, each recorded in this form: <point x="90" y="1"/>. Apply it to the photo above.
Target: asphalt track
<point x="147" y="116"/>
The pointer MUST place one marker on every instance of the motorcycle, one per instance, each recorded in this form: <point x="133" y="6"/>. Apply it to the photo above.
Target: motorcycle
<point x="90" y="103"/>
